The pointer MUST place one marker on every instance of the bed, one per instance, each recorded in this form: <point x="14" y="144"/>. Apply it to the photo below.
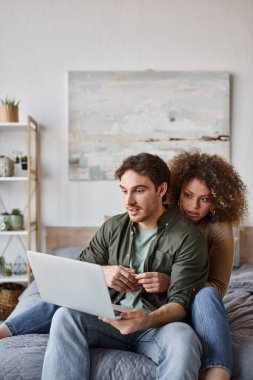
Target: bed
<point x="21" y="357"/>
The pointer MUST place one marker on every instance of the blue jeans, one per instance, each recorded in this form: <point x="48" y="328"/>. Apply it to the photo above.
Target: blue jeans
<point x="35" y="320"/>
<point x="209" y="320"/>
<point x="174" y="348"/>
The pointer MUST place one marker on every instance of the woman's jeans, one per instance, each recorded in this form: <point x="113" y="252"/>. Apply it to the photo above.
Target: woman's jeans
<point x="35" y="320"/>
<point x="209" y="321"/>
<point x="174" y="348"/>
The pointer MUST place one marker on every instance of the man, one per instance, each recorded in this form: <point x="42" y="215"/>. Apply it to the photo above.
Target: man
<point x="141" y="252"/>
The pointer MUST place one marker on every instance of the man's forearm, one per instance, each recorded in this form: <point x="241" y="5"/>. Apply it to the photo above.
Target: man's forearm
<point x="138" y="319"/>
<point x="171" y="312"/>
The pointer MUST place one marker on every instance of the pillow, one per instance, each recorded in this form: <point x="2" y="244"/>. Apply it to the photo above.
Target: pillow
<point x="69" y="252"/>
<point x="31" y="290"/>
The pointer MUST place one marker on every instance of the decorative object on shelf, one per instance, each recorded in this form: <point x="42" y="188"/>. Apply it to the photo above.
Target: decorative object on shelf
<point x="2" y="261"/>
<point x="9" y="293"/>
<point x="6" y="167"/>
<point x="24" y="162"/>
<point x="19" y="267"/>
<point x="9" y="110"/>
<point x="16" y="220"/>
<point x="4" y="221"/>
<point x="7" y="270"/>
<point x="17" y="155"/>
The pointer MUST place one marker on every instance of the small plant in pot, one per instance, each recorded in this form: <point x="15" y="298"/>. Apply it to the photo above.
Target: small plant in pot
<point x="9" y="110"/>
<point x="16" y="220"/>
<point x="7" y="271"/>
<point x="24" y="162"/>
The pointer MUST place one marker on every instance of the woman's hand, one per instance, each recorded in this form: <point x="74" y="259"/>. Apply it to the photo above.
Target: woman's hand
<point x="153" y="282"/>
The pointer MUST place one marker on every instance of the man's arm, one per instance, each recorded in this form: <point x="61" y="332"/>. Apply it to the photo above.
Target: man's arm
<point x="137" y="319"/>
<point x="189" y="274"/>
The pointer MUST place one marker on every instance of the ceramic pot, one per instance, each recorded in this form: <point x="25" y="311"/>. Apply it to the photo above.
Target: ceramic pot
<point x="6" y="167"/>
<point x="16" y="222"/>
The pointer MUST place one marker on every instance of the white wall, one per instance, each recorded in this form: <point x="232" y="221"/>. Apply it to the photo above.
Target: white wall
<point x="41" y="40"/>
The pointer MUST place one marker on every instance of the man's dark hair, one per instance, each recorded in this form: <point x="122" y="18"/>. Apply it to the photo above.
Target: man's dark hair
<point x="147" y="165"/>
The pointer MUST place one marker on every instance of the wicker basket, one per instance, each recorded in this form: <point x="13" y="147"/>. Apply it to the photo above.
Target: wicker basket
<point x="9" y="293"/>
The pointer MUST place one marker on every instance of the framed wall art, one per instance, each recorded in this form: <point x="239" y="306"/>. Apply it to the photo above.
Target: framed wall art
<point x="115" y="114"/>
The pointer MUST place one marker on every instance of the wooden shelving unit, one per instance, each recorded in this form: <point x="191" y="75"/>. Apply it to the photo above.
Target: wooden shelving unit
<point x="30" y="237"/>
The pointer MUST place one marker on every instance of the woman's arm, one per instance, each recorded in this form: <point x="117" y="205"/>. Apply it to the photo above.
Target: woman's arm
<point x="221" y="254"/>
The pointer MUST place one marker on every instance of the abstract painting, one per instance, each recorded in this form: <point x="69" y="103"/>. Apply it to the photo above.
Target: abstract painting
<point x="116" y="114"/>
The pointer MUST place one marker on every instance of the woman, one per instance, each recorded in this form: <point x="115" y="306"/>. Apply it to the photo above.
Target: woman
<point x="212" y="195"/>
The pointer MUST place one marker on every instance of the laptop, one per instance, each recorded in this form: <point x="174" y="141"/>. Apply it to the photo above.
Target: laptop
<point x="74" y="284"/>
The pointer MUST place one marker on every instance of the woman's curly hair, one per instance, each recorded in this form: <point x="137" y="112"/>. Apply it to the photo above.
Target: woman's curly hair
<point x="227" y="190"/>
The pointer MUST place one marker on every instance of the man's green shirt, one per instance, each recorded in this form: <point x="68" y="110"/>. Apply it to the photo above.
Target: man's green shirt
<point x="178" y="250"/>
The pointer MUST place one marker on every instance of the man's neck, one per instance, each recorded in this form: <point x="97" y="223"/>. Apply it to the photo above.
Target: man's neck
<point x="152" y="222"/>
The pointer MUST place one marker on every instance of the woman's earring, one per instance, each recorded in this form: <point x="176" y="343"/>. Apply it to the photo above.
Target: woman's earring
<point x="212" y="211"/>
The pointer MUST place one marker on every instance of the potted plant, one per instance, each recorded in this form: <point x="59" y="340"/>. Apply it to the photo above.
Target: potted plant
<point x="7" y="271"/>
<point x="9" y="110"/>
<point x="16" y="219"/>
<point x="24" y="162"/>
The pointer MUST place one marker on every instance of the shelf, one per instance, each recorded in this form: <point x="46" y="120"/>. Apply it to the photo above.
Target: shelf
<point x="16" y="127"/>
<point x="13" y="127"/>
<point x="14" y="278"/>
<point x="10" y="179"/>
<point x="30" y="237"/>
<point x="14" y="233"/>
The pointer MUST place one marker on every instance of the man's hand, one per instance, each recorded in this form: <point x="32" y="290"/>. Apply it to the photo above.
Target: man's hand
<point x="130" y="321"/>
<point x="153" y="282"/>
<point x="120" y="278"/>
<point x="134" y="320"/>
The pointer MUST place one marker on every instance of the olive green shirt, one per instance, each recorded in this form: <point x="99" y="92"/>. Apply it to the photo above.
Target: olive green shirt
<point x="178" y="250"/>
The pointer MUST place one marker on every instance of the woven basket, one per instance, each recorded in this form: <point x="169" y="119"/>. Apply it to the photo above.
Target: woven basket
<point x="9" y="293"/>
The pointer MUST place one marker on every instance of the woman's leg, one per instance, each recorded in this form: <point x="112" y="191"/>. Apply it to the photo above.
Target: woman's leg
<point x="215" y="374"/>
<point x="210" y="322"/>
<point x="36" y="319"/>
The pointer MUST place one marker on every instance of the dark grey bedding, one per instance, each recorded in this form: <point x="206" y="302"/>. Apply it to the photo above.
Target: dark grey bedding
<point x="239" y="305"/>
<point x="21" y="357"/>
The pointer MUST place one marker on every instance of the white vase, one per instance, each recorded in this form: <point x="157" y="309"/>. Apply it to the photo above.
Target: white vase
<point x="6" y="167"/>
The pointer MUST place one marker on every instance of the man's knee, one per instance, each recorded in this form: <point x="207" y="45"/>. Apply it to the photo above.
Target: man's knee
<point x="185" y="341"/>
<point x="60" y="316"/>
